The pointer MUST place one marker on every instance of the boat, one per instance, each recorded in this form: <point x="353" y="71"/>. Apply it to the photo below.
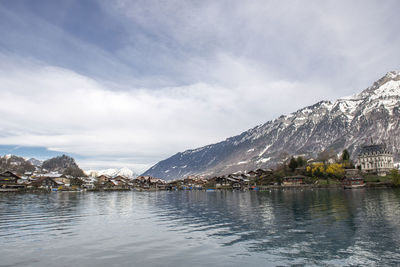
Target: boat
<point x="353" y="183"/>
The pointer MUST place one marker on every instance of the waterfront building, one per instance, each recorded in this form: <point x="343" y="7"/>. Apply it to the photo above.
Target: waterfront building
<point x="63" y="179"/>
<point x="47" y="183"/>
<point x="293" y="180"/>
<point x="353" y="182"/>
<point x="375" y="158"/>
<point x="10" y="181"/>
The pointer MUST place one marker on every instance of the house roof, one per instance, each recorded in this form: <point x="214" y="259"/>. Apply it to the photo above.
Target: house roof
<point x="41" y="179"/>
<point x="8" y="174"/>
<point x="376" y="148"/>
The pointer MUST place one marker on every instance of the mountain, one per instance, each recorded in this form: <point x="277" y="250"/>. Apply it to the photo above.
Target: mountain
<point x="63" y="164"/>
<point x="15" y="164"/>
<point x="325" y="126"/>
<point x="113" y="173"/>
<point x="126" y="173"/>
<point x="35" y="162"/>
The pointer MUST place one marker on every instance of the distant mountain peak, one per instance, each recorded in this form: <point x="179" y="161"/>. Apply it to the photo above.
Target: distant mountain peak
<point x="125" y="172"/>
<point x="63" y="164"/>
<point x="392" y="76"/>
<point x="35" y="162"/>
<point x="345" y="123"/>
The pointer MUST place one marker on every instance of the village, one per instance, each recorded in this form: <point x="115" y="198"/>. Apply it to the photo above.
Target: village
<point x="373" y="167"/>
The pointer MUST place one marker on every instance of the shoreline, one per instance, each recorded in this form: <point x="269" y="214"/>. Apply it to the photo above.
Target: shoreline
<point x="212" y="189"/>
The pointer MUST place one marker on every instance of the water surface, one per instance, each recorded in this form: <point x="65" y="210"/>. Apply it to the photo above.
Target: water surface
<point x="274" y="228"/>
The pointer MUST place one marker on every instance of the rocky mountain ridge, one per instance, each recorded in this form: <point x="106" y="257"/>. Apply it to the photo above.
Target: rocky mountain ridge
<point x="346" y="123"/>
<point x="61" y="164"/>
<point x="15" y="164"/>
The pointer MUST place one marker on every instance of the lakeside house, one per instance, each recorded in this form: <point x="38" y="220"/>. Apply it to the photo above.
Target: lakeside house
<point x="148" y="182"/>
<point x="88" y="182"/>
<point x="46" y="183"/>
<point x="353" y="182"/>
<point x="115" y="184"/>
<point x="375" y="158"/>
<point x="10" y="181"/>
<point x="102" y="179"/>
<point x="235" y="181"/>
<point x="258" y="173"/>
<point x="66" y="181"/>
<point x="188" y="183"/>
<point x="295" y="180"/>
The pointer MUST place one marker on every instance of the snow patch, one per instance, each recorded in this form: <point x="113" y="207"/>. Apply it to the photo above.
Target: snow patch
<point x="265" y="149"/>
<point x="263" y="160"/>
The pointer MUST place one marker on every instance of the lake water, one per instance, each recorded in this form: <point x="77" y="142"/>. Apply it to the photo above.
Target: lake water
<point x="322" y="227"/>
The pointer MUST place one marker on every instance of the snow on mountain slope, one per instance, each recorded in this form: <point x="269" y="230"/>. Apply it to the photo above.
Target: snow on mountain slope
<point x="346" y="123"/>
<point x="126" y="172"/>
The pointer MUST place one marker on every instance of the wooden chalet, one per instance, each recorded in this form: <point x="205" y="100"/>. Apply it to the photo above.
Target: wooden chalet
<point x="103" y="179"/>
<point x="63" y="179"/>
<point x="10" y="181"/>
<point x="148" y="182"/>
<point x="46" y="182"/>
<point x="193" y="182"/>
<point x="235" y="181"/>
<point x="116" y="184"/>
<point x="220" y="181"/>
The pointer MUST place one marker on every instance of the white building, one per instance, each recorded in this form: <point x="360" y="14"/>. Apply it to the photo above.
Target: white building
<point x="375" y="159"/>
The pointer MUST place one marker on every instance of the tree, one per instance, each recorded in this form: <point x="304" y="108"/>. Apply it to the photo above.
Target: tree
<point x="317" y="170"/>
<point x="345" y="155"/>
<point x="300" y="161"/>
<point x="335" y="170"/>
<point x="293" y="164"/>
<point x="395" y="176"/>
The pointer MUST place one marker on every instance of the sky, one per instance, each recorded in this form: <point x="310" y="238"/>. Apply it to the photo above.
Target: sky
<point x="129" y="83"/>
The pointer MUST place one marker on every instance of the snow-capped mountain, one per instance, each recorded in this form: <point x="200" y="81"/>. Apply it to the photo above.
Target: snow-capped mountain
<point x="126" y="172"/>
<point x="346" y="123"/>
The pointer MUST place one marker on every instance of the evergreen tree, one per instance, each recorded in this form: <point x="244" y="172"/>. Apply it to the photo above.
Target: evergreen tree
<point x="293" y="164"/>
<point x="300" y="161"/>
<point x="345" y="155"/>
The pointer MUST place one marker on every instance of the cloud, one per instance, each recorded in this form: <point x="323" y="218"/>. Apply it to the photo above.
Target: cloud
<point x="336" y="42"/>
<point x="152" y="78"/>
<point x="65" y="111"/>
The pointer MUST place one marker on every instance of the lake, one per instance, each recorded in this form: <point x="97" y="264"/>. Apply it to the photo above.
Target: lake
<point x="313" y="227"/>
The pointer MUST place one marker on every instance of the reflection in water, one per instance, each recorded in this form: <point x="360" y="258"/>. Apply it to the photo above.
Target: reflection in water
<point x="278" y="227"/>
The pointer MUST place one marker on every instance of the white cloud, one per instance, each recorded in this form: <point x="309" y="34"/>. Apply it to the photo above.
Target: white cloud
<point x="182" y="74"/>
<point x="64" y="111"/>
